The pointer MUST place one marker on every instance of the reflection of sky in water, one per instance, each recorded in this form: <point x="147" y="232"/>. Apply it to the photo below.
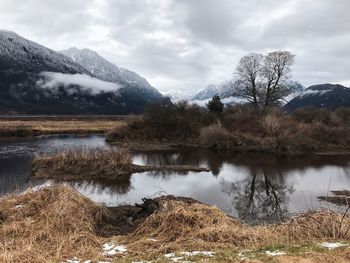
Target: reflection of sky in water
<point x="257" y="182"/>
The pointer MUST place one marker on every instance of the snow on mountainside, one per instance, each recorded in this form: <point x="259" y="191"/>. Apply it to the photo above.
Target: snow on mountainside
<point x="38" y="80"/>
<point x="330" y="96"/>
<point x="107" y="71"/>
<point x="19" y="53"/>
<point x="207" y="93"/>
<point x="176" y="96"/>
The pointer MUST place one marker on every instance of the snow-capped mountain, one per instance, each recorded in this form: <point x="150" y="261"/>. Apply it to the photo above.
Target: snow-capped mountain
<point x="176" y="96"/>
<point x="38" y="80"/>
<point x="207" y="93"/>
<point x="330" y="96"/>
<point x="107" y="71"/>
<point x="19" y="53"/>
<point x="224" y="90"/>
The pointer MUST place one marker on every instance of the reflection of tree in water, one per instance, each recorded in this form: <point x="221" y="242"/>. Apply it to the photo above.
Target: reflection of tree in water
<point x="259" y="196"/>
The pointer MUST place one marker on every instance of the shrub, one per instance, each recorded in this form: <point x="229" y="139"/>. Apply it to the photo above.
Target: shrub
<point x="271" y="124"/>
<point x="216" y="136"/>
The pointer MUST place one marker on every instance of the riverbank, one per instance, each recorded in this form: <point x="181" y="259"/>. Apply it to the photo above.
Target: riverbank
<point x="239" y="128"/>
<point x="40" y="125"/>
<point x="42" y="225"/>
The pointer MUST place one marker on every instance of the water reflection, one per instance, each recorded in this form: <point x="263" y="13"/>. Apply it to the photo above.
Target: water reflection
<point x="255" y="187"/>
<point x="259" y="196"/>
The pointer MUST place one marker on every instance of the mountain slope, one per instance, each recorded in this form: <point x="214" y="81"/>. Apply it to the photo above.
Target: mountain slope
<point x="207" y="93"/>
<point x="324" y="95"/>
<point x="37" y="80"/>
<point x="19" y="53"/>
<point x="107" y="71"/>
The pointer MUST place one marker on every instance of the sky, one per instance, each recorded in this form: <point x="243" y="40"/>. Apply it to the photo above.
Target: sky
<point x="185" y="45"/>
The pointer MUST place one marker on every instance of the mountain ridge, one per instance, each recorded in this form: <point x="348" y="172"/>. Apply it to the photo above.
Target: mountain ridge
<point x="37" y="80"/>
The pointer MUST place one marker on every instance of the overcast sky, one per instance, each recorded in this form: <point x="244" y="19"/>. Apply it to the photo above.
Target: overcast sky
<point x="188" y="44"/>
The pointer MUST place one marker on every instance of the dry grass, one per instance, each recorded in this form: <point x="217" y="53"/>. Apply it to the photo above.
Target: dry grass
<point x="58" y="223"/>
<point x="84" y="163"/>
<point x="197" y="226"/>
<point x="20" y="128"/>
<point x="49" y="225"/>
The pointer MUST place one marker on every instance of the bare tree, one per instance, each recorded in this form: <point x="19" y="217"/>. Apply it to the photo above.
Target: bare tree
<point x="263" y="79"/>
<point x="249" y="70"/>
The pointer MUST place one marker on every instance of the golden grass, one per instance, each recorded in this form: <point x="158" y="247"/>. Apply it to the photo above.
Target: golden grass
<point x="38" y="127"/>
<point x="196" y="226"/>
<point x="58" y="223"/>
<point x="49" y="225"/>
<point x="84" y="163"/>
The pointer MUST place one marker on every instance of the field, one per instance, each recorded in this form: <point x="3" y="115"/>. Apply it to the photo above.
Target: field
<point x="39" y="125"/>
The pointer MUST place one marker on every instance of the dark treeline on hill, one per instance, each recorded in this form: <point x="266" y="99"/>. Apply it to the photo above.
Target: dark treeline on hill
<point x="306" y="130"/>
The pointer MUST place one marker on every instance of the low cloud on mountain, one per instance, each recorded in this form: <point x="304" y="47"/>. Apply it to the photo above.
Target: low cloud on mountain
<point x="53" y="80"/>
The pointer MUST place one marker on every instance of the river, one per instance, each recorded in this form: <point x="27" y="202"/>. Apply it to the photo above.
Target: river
<point x="257" y="188"/>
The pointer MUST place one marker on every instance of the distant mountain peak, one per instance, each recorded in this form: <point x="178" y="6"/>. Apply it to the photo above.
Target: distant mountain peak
<point x="327" y="95"/>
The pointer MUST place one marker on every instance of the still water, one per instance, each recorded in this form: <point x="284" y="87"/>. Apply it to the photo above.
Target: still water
<point x="255" y="187"/>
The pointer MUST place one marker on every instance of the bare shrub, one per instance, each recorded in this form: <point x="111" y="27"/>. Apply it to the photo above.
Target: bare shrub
<point x="217" y="137"/>
<point x="271" y="124"/>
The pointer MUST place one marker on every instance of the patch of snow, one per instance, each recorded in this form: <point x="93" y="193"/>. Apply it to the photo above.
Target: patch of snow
<point x="77" y="260"/>
<point x="111" y="250"/>
<point x="152" y="239"/>
<point x="274" y="253"/>
<point x="330" y="245"/>
<point x="73" y="260"/>
<point x="18" y="206"/>
<point x="169" y="255"/>
<point x="197" y="253"/>
<point x="38" y="187"/>
<point x="141" y="261"/>
<point x="174" y="258"/>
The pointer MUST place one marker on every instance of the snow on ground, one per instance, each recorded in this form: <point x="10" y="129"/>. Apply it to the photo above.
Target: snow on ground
<point x="274" y="253"/>
<point x="77" y="260"/>
<point x="174" y="258"/>
<point x="111" y="250"/>
<point x="330" y="245"/>
<point x="152" y="239"/>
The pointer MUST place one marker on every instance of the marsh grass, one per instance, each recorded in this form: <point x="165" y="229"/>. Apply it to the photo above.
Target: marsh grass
<point x="57" y="223"/>
<point x="84" y="163"/>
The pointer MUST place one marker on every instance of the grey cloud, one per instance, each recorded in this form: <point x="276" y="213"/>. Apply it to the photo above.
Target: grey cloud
<point x="185" y="44"/>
